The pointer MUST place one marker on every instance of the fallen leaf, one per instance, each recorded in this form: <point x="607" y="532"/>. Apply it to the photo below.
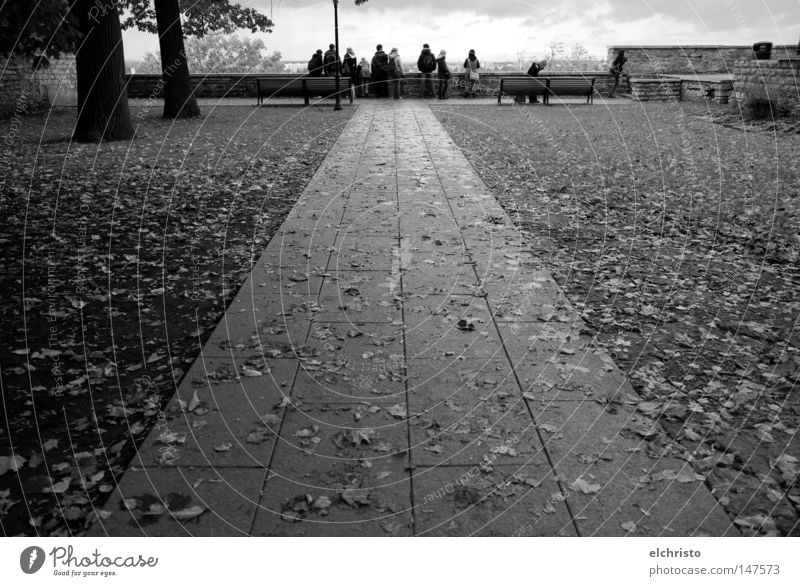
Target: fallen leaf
<point x="13" y="463"/>
<point x="581" y="485"/>
<point x="188" y="513"/>
<point x="398" y="411"/>
<point x="356" y="497"/>
<point x="194" y="403"/>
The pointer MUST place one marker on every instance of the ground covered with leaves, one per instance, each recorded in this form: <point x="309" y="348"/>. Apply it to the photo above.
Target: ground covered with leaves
<point x="117" y="262"/>
<point x="677" y="237"/>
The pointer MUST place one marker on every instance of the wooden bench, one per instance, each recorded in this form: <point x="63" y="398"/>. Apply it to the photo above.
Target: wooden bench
<point x="305" y="87"/>
<point x="571" y="86"/>
<point x="523" y="86"/>
<point x="548" y="86"/>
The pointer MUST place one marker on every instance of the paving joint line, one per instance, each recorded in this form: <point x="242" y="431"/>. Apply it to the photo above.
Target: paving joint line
<point x="410" y="460"/>
<point x="308" y="328"/>
<point x="485" y="297"/>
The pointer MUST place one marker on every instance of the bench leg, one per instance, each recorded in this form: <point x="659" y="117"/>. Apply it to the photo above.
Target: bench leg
<point x="305" y="96"/>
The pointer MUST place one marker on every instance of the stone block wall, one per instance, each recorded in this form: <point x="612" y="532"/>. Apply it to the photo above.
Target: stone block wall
<point x="778" y="79"/>
<point x="658" y="89"/>
<point x="700" y="89"/>
<point x="216" y="85"/>
<point x="37" y="88"/>
<point x="648" y="60"/>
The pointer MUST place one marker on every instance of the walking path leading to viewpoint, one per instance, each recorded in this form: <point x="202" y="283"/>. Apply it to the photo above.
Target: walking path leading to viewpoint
<point x="399" y="362"/>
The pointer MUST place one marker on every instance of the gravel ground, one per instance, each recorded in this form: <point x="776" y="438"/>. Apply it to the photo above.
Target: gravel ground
<point x="678" y="239"/>
<point x="118" y="260"/>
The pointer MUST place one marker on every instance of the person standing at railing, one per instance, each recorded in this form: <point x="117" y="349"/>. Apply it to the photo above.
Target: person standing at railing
<point x="380" y="72"/>
<point x="443" y="73"/>
<point x="471" y="77"/>
<point x="395" y="73"/>
<point x="315" y="65"/>
<point x="364" y="75"/>
<point x="350" y="70"/>
<point x="332" y="63"/>
<point x="426" y="64"/>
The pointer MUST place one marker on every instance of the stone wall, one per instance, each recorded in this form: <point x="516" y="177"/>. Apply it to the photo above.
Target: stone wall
<point x="776" y="79"/>
<point x="655" y="89"/>
<point x="233" y="85"/>
<point x="645" y="61"/>
<point x="56" y="84"/>
<point x="703" y="89"/>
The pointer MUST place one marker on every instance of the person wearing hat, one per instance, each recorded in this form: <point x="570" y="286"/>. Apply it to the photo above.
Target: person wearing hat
<point x="426" y="64"/>
<point x="395" y="73"/>
<point x="471" y="67"/>
<point x="443" y="73"/>
<point x="350" y="70"/>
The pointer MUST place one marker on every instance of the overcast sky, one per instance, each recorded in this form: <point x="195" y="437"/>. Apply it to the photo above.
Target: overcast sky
<point x="499" y="29"/>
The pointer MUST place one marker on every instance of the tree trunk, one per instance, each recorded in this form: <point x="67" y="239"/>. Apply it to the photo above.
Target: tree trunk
<point x="103" y="112"/>
<point x="179" y="100"/>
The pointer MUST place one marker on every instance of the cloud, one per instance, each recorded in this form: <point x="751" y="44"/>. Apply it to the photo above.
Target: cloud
<point x="499" y="29"/>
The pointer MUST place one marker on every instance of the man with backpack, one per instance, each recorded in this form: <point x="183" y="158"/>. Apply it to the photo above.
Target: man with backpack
<point x="332" y="63"/>
<point x="426" y="64"/>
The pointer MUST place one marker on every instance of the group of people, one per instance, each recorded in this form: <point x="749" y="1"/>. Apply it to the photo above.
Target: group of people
<point x="381" y="76"/>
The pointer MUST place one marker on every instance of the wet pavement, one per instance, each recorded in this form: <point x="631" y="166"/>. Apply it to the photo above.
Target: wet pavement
<point x="399" y="362"/>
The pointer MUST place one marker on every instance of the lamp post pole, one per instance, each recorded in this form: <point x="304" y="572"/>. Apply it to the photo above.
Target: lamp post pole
<point x="338" y="105"/>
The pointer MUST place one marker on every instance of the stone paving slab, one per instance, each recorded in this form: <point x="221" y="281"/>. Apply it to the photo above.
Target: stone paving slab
<point x="400" y="362"/>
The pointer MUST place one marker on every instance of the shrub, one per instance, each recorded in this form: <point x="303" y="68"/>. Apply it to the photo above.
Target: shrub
<point x="777" y="103"/>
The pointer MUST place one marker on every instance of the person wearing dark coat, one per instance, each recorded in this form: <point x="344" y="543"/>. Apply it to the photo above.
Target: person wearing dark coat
<point x="616" y="70"/>
<point x="533" y="71"/>
<point x="380" y="72"/>
<point x="443" y="73"/>
<point x="350" y="69"/>
<point x="426" y="64"/>
<point x="331" y="62"/>
<point x="315" y="66"/>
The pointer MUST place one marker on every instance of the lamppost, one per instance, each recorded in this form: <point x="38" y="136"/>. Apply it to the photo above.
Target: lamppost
<point x="338" y="105"/>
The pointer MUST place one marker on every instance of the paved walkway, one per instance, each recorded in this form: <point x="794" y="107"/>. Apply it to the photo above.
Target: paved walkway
<point x="400" y="363"/>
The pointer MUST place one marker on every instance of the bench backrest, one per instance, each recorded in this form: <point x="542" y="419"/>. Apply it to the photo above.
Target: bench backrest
<point x="531" y="85"/>
<point x="280" y="85"/>
<point x="326" y="85"/>
<point x="571" y="85"/>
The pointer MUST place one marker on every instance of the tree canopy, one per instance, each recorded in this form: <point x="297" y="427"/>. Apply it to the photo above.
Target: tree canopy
<point x="40" y="30"/>
<point x="222" y="54"/>
<point x="199" y="17"/>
